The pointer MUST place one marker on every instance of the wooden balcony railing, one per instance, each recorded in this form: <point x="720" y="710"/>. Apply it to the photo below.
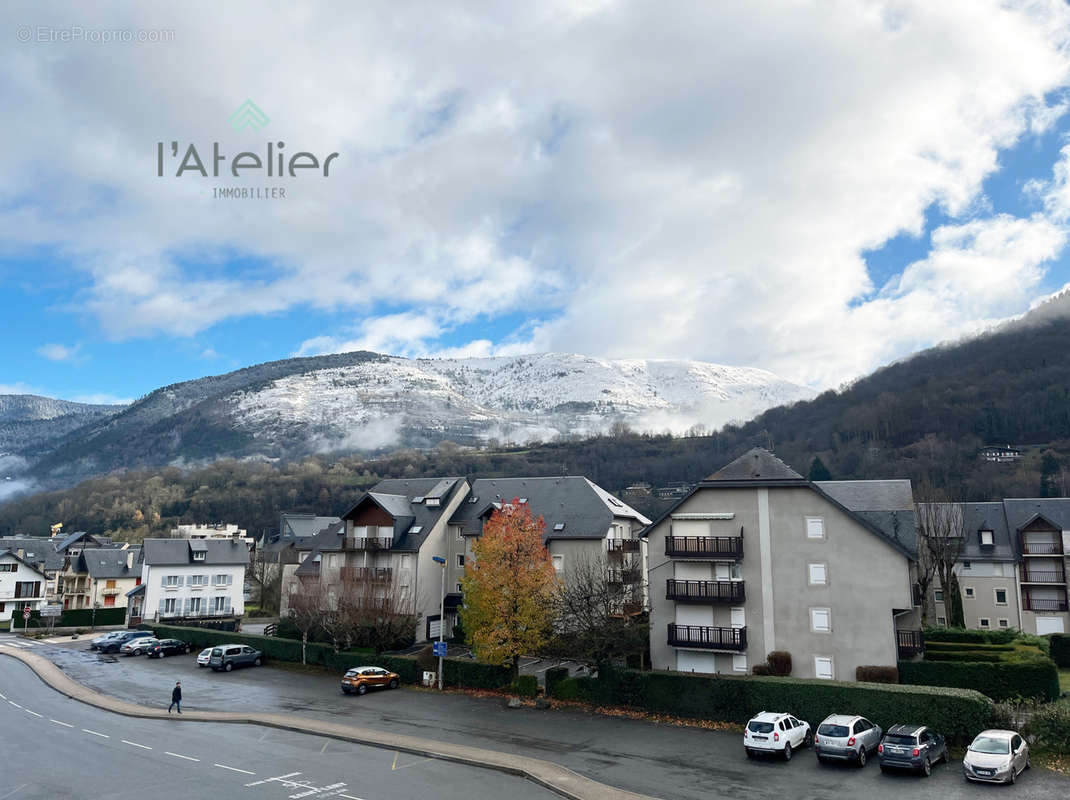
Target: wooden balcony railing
<point x="369" y="543"/>
<point x="909" y="643"/>
<point x="367" y="574"/>
<point x="724" y="547"/>
<point x="705" y="591"/>
<point x="1042" y="548"/>
<point x="627" y="576"/>
<point x="614" y="546"/>
<point x="707" y="638"/>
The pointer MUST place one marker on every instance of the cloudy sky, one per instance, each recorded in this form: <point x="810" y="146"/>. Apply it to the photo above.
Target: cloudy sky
<point x="815" y="188"/>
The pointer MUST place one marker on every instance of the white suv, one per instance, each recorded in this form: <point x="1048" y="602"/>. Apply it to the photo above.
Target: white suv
<point x="771" y="732"/>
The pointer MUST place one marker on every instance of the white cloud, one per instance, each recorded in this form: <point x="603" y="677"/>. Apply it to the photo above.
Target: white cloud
<point x="59" y="352"/>
<point x="699" y="181"/>
<point x="99" y="398"/>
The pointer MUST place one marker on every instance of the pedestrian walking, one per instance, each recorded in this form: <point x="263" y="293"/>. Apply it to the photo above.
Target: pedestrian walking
<point x="176" y="697"/>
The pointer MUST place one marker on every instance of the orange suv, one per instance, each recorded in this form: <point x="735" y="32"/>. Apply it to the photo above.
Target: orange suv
<point x="360" y="679"/>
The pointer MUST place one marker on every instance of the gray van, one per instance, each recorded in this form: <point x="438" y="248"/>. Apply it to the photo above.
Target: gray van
<point x="228" y="656"/>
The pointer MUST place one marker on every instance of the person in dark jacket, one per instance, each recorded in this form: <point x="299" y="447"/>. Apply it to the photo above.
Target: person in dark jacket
<point x="176" y="697"/>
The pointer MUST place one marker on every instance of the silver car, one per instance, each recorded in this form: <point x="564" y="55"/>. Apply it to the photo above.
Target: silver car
<point x="137" y="647"/>
<point x="995" y="757"/>
<point x="842" y="737"/>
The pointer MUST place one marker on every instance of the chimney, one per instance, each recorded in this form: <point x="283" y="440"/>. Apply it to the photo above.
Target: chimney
<point x="129" y="559"/>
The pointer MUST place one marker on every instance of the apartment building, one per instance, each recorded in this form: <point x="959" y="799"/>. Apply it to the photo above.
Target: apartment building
<point x="384" y="546"/>
<point x="756" y="558"/>
<point x="189" y="579"/>
<point x="39" y="552"/>
<point x="584" y="524"/>
<point x="21" y="586"/>
<point x="99" y="577"/>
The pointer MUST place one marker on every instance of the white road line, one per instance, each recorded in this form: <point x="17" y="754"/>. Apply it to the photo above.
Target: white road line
<point x="135" y="744"/>
<point x="102" y="735"/>
<point x="234" y="769"/>
<point x="349" y="796"/>
<point x="64" y="724"/>
<point x="32" y="712"/>
<point x="176" y="755"/>
<point x="3" y="696"/>
<point x="14" y="704"/>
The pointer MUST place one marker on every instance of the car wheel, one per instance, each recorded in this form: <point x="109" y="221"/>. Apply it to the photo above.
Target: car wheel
<point x="885" y="769"/>
<point x="808" y="740"/>
<point x="1013" y="777"/>
<point x="393" y="683"/>
<point x="185" y="651"/>
<point x="926" y="767"/>
<point x="362" y="689"/>
<point x="821" y="760"/>
<point x="163" y="653"/>
<point x="1027" y="764"/>
<point x="228" y="666"/>
<point x="787" y="751"/>
<point x="346" y="691"/>
<point x="257" y="663"/>
<point x="861" y="757"/>
<point x="750" y="753"/>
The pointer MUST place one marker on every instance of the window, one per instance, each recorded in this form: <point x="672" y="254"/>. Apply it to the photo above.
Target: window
<point x="9" y="567"/>
<point x="820" y="620"/>
<point x="416" y="529"/>
<point x="559" y="563"/>
<point x="559" y="526"/>
<point x="823" y="667"/>
<point x="966" y="565"/>
<point x="197" y="580"/>
<point x="938" y="596"/>
<point x="1001" y="597"/>
<point x="984" y="622"/>
<point x="459" y="588"/>
<point x="1004" y="623"/>
<point x="460" y="536"/>
<point x="2" y="606"/>
<point x="109" y="584"/>
<point x="969" y="591"/>
<point x="172" y="581"/>
<point x="221" y="580"/>
<point x="818" y="574"/>
<point x="815" y="528"/>
<point x="941" y="620"/>
<point x="986" y="539"/>
<point x="170" y="605"/>
<point x="109" y="600"/>
<point x="460" y="560"/>
<point x="199" y="555"/>
<point x="433" y="501"/>
<point x="220" y="604"/>
<point x="739" y="663"/>
<point x="195" y="605"/>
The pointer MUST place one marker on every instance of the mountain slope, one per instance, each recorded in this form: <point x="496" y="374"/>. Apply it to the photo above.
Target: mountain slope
<point x="29" y="423"/>
<point x="365" y="401"/>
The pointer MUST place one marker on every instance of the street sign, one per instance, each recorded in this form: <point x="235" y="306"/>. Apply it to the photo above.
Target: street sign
<point x="438" y="649"/>
<point x="52" y="610"/>
<point x="26" y="613"/>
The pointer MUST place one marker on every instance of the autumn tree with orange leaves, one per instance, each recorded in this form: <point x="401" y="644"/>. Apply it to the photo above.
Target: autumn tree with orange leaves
<point x="508" y="587"/>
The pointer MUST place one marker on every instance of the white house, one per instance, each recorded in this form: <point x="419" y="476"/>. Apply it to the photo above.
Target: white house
<point x="189" y="579"/>
<point x="21" y="585"/>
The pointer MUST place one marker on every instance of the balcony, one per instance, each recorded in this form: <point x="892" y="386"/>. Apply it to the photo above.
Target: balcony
<point x="1049" y="548"/>
<point x="621" y="546"/>
<point x="704" y="638"/>
<point x="369" y="543"/>
<point x="705" y="591"/>
<point x="626" y="576"/>
<point x="111" y="590"/>
<point x="367" y="574"/>
<point x="1043" y="576"/>
<point x="714" y="547"/>
<point x="1030" y="603"/>
<point x="909" y="643"/>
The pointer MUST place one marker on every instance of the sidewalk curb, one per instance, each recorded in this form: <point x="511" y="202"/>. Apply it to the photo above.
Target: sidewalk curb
<point x="554" y="777"/>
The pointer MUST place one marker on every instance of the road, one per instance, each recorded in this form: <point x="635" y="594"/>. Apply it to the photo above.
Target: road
<point x="664" y="761"/>
<point x="55" y="747"/>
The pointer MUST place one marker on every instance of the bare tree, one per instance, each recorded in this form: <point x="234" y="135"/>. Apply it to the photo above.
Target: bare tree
<point x="376" y="610"/>
<point x="307" y="601"/>
<point x="941" y="539"/>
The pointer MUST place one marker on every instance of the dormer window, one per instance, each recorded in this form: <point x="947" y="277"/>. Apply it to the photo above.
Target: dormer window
<point x="523" y="501"/>
<point x="199" y="555"/>
<point x="432" y="501"/>
<point x="418" y="500"/>
<point x="986" y="539"/>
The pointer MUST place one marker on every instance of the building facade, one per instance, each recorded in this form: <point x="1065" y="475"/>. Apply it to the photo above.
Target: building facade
<point x="757" y="558"/>
<point x="189" y="579"/>
<point x="22" y="586"/>
<point x="99" y="577"/>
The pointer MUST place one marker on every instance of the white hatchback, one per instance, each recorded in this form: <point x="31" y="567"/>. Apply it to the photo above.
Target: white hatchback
<point x="203" y="656"/>
<point x="776" y="732"/>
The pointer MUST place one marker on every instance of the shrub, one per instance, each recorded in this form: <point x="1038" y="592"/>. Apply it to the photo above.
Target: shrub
<point x="875" y="674"/>
<point x="1051" y="726"/>
<point x="555" y="675"/>
<point x="427" y="659"/>
<point x="978" y="646"/>
<point x="1005" y="636"/>
<point x="1060" y="649"/>
<point x="1041" y="643"/>
<point x="779" y="663"/>
<point x="525" y="686"/>
<point x="273" y="647"/>
<point x="963" y="655"/>
<point x="761" y="669"/>
<point x="1001" y="681"/>
<point x="405" y="666"/>
<point x="467" y="673"/>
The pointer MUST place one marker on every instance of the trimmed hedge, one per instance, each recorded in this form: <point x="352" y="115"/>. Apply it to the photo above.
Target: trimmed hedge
<point x="526" y="686"/>
<point x="407" y="667"/>
<point x="979" y="646"/>
<point x="1005" y="636"/>
<point x="1003" y="681"/>
<point x="78" y="618"/>
<point x="1060" y="649"/>
<point x="554" y="676"/>
<point x="957" y="713"/>
<point x="875" y="674"/>
<point x="471" y="674"/>
<point x="964" y="655"/>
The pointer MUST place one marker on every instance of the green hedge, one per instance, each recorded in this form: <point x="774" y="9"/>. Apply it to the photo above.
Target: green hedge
<point x="554" y="676"/>
<point x="470" y="674"/>
<point x="1051" y="727"/>
<point x="1060" y="649"/>
<point x="978" y="646"/>
<point x="957" y="713"/>
<point x="1005" y="681"/>
<point x="407" y="667"/>
<point x="77" y="618"/>
<point x="1005" y="636"/>
<point x="525" y="686"/>
<point x="963" y="655"/>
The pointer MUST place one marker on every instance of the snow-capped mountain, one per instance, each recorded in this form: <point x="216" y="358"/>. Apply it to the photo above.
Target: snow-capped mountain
<point x="365" y="401"/>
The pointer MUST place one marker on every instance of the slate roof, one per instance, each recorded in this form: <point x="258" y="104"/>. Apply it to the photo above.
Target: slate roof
<point x="757" y="464"/>
<point x="586" y="509"/>
<point x="109" y="562"/>
<point x="44" y="553"/>
<point x="989" y="517"/>
<point x="172" y="552"/>
<point x="293" y="525"/>
<point x="14" y="555"/>
<point x="86" y="538"/>
<point x="1021" y="511"/>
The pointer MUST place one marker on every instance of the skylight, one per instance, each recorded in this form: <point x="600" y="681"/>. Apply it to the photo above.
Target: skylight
<point x="418" y="500"/>
<point x="523" y="500"/>
<point x="416" y="529"/>
<point x="559" y="526"/>
<point x="473" y="499"/>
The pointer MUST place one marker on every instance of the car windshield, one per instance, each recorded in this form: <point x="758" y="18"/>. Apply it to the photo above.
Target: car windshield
<point x="759" y="727"/>
<point x="832" y="730"/>
<point x="217" y="651"/>
<point x="207" y="650"/>
<point x="907" y="740"/>
<point x="991" y="745"/>
<point x="352" y="673"/>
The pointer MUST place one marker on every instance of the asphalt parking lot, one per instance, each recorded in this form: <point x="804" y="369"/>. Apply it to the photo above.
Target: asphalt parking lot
<point x="661" y="760"/>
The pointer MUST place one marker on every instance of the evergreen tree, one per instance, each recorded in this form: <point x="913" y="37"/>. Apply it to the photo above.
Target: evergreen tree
<point x="818" y="470"/>
<point x="1049" y="475"/>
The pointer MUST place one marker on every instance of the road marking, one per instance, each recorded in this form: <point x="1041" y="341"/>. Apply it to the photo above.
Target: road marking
<point x="14" y="791"/>
<point x="176" y="755"/>
<point x="102" y="735"/>
<point x="349" y="796"/>
<point x="234" y="769"/>
<point x="135" y="744"/>
<point x="3" y="696"/>
<point x="32" y="712"/>
<point x="64" y="724"/>
<point x="277" y="778"/>
<point x="324" y="748"/>
<point x="14" y="704"/>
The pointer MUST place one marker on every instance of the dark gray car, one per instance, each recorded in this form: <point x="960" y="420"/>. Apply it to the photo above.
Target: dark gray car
<point x="914" y="747"/>
<point x="228" y="656"/>
<point x="113" y="643"/>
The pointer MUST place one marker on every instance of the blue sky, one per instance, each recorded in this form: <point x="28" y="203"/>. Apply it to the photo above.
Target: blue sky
<point x="810" y="191"/>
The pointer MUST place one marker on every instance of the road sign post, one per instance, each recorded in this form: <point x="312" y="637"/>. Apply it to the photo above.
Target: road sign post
<point x="438" y="649"/>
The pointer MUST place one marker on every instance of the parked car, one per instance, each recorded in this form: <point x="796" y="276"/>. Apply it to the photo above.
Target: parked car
<point x="228" y="656"/>
<point x="138" y="646"/>
<point x="361" y="679"/>
<point x="842" y="737"/>
<point x="912" y="747"/>
<point x="113" y="645"/>
<point x="995" y="757"/>
<point x="96" y="644"/>
<point x="204" y="656"/>
<point x="167" y="647"/>
<point x="776" y="732"/>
